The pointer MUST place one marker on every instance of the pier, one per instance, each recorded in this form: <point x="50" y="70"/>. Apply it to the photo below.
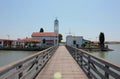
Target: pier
<point x="61" y="62"/>
<point x="63" y="65"/>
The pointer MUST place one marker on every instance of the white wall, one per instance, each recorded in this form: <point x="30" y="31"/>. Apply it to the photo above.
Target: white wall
<point x="78" y="39"/>
<point x="46" y="38"/>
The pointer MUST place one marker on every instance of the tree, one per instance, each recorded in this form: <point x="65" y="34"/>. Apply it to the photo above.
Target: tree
<point x="101" y="40"/>
<point x="60" y="37"/>
<point x="41" y="30"/>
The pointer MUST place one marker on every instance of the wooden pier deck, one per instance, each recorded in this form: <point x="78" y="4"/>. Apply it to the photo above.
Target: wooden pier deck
<point x="61" y="66"/>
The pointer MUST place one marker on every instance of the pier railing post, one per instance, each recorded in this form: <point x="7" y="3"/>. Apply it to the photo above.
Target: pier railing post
<point x="81" y="58"/>
<point x="88" y="66"/>
<point x="21" y="73"/>
<point x="106" y="74"/>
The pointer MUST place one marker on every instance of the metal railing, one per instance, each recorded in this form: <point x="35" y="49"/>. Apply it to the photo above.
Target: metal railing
<point x="29" y="67"/>
<point x="95" y="67"/>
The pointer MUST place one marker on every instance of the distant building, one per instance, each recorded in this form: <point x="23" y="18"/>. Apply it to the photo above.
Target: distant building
<point x="18" y="43"/>
<point x="48" y="38"/>
<point x="5" y="42"/>
<point x="37" y="39"/>
<point x="74" y="41"/>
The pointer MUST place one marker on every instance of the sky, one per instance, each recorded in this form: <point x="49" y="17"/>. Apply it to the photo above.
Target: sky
<point x="87" y="18"/>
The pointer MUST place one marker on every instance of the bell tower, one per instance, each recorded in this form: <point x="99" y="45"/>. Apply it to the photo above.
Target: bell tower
<point x="56" y="26"/>
<point x="56" y="29"/>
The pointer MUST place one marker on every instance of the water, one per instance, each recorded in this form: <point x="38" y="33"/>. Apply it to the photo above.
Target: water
<point x="113" y="56"/>
<point x="7" y="57"/>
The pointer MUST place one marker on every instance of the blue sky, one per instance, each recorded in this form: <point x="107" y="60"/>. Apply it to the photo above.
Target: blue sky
<point x="87" y="18"/>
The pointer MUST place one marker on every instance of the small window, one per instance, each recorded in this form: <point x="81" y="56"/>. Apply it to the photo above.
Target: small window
<point x="44" y="41"/>
<point x="0" y="42"/>
<point x="74" y="42"/>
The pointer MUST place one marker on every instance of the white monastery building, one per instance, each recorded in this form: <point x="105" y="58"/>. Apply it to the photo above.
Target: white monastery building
<point x="48" y="38"/>
<point x="74" y="41"/>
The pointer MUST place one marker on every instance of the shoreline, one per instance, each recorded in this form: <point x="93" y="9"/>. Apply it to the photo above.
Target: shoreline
<point x="97" y="49"/>
<point x="23" y="49"/>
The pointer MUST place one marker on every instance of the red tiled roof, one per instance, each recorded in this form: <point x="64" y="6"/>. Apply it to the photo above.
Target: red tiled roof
<point x="9" y="40"/>
<point x="43" y="34"/>
<point x="30" y="39"/>
<point x="21" y="40"/>
<point x="6" y="40"/>
<point x="26" y="39"/>
<point x="18" y="41"/>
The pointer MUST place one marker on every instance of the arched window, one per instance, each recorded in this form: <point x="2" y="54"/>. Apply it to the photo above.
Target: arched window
<point x="44" y="41"/>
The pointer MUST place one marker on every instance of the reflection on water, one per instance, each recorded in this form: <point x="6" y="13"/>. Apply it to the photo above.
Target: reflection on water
<point x="7" y="57"/>
<point x="101" y="54"/>
<point x="113" y="56"/>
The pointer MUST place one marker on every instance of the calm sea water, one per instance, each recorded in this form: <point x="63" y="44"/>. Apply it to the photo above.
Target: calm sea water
<point x="7" y="57"/>
<point x="113" y="56"/>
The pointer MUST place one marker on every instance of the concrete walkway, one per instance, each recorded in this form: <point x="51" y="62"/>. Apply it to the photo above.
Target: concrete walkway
<point x="61" y="66"/>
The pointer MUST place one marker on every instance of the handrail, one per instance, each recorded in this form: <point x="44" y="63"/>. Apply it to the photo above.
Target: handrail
<point x="95" y="67"/>
<point x="29" y="67"/>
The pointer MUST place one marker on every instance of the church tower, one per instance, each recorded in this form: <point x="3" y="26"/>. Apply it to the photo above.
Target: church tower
<point x="56" y="26"/>
<point x="56" y="30"/>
